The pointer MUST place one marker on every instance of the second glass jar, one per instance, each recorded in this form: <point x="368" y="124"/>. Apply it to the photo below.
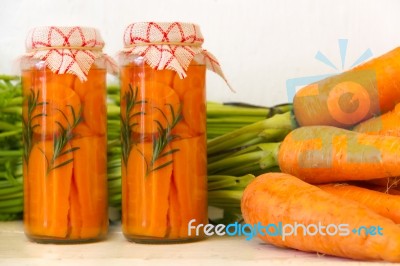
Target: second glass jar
<point x="164" y="158"/>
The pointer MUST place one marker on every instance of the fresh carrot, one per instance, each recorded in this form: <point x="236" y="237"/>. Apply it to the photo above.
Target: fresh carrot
<point x="346" y="99"/>
<point x="387" y="124"/>
<point x="48" y="186"/>
<point x="390" y="182"/>
<point x="323" y="154"/>
<point x="275" y="198"/>
<point x="381" y="203"/>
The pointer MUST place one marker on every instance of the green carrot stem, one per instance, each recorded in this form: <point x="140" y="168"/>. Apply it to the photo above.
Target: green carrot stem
<point x="16" y="101"/>
<point x="12" y="110"/>
<point x="13" y="195"/>
<point x="232" y="120"/>
<point x="16" y="208"/>
<point x="230" y="162"/>
<point x="225" y="194"/>
<point x="9" y="77"/>
<point x="230" y="143"/>
<point x="10" y="190"/>
<point x="8" y="126"/>
<point x="279" y="121"/>
<point x="229" y="182"/>
<point x="10" y="203"/>
<point x="9" y="153"/>
<point x="221" y="110"/>
<point x="113" y="110"/>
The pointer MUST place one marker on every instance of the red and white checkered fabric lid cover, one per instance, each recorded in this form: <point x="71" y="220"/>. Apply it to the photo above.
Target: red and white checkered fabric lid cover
<point x="169" y="45"/>
<point x="70" y="50"/>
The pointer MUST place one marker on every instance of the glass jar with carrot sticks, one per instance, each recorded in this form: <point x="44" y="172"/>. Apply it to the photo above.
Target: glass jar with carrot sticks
<point x="64" y="135"/>
<point x="163" y="131"/>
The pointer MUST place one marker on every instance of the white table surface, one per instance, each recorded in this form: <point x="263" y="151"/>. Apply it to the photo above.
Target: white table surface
<point x="15" y="249"/>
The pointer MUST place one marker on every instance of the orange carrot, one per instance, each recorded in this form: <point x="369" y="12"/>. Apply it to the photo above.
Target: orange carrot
<point x="96" y="80"/>
<point x="381" y="203"/>
<point x="174" y="213"/>
<point x="147" y="191"/>
<point x="183" y="130"/>
<point x="353" y="96"/>
<point x="323" y="154"/>
<point x="390" y="182"/>
<point x="190" y="178"/>
<point x="195" y="80"/>
<point x="275" y="198"/>
<point x="94" y="111"/>
<point x="75" y="217"/>
<point x="35" y="79"/>
<point x="90" y="177"/>
<point x="60" y="105"/>
<point x="48" y="186"/>
<point x="82" y="130"/>
<point x="159" y="105"/>
<point x="387" y="124"/>
<point x="134" y="74"/>
<point x="194" y="110"/>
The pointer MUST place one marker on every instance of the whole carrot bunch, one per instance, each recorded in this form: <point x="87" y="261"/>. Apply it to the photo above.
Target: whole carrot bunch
<point x="335" y="175"/>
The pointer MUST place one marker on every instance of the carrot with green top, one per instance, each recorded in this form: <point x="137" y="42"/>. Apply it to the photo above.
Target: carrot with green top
<point x="344" y="100"/>
<point x="275" y="198"/>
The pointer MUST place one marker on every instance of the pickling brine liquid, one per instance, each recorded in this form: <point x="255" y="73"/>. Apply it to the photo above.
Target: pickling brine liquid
<point x="65" y="156"/>
<point x="164" y="158"/>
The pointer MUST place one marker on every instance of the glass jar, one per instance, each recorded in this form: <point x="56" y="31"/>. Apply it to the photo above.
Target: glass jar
<point x="65" y="144"/>
<point x="163" y="129"/>
<point x="164" y="176"/>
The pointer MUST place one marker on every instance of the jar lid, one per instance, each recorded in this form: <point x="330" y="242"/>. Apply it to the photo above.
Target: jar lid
<point x="169" y="45"/>
<point x="70" y="50"/>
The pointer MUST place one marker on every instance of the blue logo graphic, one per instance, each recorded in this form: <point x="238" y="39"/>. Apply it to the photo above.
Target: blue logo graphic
<point x="292" y="84"/>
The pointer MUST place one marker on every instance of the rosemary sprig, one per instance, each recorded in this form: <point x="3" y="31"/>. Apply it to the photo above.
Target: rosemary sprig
<point x="27" y="131"/>
<point x="61" y="139"/>
<point x="163" y="138"/>
<point x="131" y="100"/>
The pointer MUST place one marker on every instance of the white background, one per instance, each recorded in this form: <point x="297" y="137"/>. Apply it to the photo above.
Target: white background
<point x="259" y="43"/>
